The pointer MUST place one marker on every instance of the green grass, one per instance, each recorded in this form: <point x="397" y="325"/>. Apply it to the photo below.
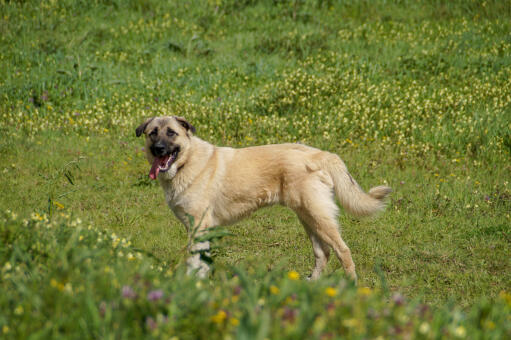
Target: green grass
<point x="69" y="280"/>
<point x="414" y="94"/>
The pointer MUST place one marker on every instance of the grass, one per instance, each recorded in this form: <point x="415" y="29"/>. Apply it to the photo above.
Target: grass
<point x="69" y="280"/>
<point x="414" y="94"/>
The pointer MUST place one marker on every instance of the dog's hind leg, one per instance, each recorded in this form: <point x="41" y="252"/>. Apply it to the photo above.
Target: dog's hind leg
<point x="330" y="235"/>
<point x="319" y="213"/>
<point x="326" y="232"/>
<point x="321" y="252"/>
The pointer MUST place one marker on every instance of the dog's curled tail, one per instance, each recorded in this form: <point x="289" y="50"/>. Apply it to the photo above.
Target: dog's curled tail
<point x="351" y="195"/>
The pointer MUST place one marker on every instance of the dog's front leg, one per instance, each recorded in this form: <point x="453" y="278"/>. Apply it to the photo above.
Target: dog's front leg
<point x="198" y="263"/>
<point x="200" y="256"/>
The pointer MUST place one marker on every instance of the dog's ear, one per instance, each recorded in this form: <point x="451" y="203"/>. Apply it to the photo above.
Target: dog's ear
<point x="141" y="128"/>
<point x="184" y="123"/>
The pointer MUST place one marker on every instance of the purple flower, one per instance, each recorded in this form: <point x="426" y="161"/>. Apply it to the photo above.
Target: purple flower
<point x="128" y="292"/>
<point x="150" y="323"/>
<point x="289" y="315"/>
<point x="398" y="299"/>
<point x="423" y="309"/>
<point x="154" y="295"/>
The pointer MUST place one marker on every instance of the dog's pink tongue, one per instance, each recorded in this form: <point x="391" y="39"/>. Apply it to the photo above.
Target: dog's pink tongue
<point x="155" y="169"/>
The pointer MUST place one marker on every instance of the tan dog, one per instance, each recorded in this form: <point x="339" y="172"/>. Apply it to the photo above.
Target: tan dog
<point x="220" y="185"/>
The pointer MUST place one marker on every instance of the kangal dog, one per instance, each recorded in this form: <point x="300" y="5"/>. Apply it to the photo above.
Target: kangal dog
<point x="220" y="185"/>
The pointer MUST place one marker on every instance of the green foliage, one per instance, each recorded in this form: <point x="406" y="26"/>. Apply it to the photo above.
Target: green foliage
<point x="66" y="279"/>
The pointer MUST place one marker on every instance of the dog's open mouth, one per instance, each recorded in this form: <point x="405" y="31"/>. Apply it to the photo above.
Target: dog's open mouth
<point x="162" y="164"/>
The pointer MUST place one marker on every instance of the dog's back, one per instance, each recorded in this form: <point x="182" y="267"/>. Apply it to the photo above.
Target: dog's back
<point x="278" y="173"/>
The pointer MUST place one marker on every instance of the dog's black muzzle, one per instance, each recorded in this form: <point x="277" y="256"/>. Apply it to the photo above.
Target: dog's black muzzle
<point x="159" y="149"/>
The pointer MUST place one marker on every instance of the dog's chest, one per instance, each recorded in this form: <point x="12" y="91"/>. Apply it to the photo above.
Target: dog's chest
<point x="183" y="203"/>
<point x="175" y="200"/>
<point x="179" y="206"/>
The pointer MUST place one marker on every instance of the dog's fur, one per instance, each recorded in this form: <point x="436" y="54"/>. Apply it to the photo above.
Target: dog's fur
<point x="220" y="185"/>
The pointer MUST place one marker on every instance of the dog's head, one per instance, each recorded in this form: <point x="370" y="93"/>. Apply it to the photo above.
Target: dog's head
<point x="167" y="139"/>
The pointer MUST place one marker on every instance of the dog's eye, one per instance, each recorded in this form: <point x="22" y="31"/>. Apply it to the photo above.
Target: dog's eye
<point x="154" y="132"/>
<point x="171" y="132"/>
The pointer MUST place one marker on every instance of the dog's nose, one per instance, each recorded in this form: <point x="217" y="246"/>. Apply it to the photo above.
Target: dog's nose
<point x="158" y="149"/>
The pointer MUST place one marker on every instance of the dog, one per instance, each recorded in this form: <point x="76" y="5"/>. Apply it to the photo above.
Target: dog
<point x="220" y="185"/>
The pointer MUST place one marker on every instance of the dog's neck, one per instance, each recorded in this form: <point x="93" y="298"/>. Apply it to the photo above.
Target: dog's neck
<point x="194" y="160"/>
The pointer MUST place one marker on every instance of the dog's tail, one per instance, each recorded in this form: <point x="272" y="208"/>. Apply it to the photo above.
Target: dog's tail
<point x="350" y="194"/>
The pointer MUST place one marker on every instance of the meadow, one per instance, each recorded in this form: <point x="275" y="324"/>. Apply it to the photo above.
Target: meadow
<point x="412" y="94"/>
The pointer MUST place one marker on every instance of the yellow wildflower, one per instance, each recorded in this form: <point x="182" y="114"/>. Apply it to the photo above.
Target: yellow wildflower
<point x="289" y="300"/>
<point x="488" y="324"/>
<point x="293" y="275"/>
<point x="68" y="288"/>
<point x="364" y="291"/>
<point x="506" y="297"/>
<point x="274" y="289"/>
<point x="219" y="317"/>
<point x="18" y="310"/>
<point x="424" y="328"/>
<point x="330" y="291"/>
<point x="350" y="323"/>
<point x="460" y="332"/>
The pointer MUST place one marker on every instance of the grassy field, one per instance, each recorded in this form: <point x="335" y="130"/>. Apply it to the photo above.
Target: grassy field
<point x="412" y="94"/>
